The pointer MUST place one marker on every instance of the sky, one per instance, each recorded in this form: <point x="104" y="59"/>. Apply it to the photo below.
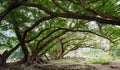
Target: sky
<point x="8" y="33"/>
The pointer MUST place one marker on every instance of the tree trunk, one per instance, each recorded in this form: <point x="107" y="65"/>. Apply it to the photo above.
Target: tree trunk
<point x="26" y="53"/>
<point x="2" y="61"/>
<point x="3" y="58"/>
<point x="6" y="54"/>
<point x="35" y="59"/>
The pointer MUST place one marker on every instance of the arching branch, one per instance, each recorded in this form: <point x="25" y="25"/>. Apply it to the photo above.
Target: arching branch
<point x="74" y="15"/>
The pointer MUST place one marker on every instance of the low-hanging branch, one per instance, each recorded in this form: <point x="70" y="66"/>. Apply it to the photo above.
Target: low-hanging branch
<point x="62" y="53"/>
<point x="70" y="30"/>
<point x="49" y="41"/>
<point x="73" y="40"/>
<point x="48" y="48"/>
<point x="46" y="37"/>
<point x="35" y="37"/>
<point x="35" y="24"/>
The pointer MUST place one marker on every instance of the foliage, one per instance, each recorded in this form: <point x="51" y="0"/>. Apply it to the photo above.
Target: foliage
<point x="117" y="50"/>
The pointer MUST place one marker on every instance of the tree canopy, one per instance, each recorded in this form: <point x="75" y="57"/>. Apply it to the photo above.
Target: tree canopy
<point x="39" y="25"/>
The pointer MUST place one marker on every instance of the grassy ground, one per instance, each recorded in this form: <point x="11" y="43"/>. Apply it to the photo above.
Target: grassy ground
<point x="79" y="61"/>
<point x="70" y="64"/>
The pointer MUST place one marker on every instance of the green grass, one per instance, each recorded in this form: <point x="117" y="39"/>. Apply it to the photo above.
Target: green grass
<point x="66" y="61"/>
<point x="99" y="61"/>
<point x="79" y="61"/>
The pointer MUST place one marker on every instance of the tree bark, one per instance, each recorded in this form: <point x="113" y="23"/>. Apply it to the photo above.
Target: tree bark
<point x="6" y="54"/>
<point x="3" y="58"/>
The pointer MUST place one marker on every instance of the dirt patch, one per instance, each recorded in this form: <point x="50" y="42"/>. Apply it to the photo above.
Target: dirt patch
<point x="110" y="66"/>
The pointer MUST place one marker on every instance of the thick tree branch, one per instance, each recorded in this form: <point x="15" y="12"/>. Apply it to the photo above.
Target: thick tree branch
<point x="48" y="48"/>
<point x="88" y="31"/>
<point x="16" y="28"/>
<point x="46" y="37"/>
<point x="69" y="30"/>
<point x="12" y="50"/>
<point x="74" y="15"/>
<point x="42" y="31"/>
<point x="73" y="48"/>
<point x="64" y="15"/>
<point x="49" y="41"/>
<point x="96" y="13"/>
<point x="62" y="47"/>
<point x="13" y="5"/>
<point x="36" y="24"/>
<point x="73" y="40"/>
